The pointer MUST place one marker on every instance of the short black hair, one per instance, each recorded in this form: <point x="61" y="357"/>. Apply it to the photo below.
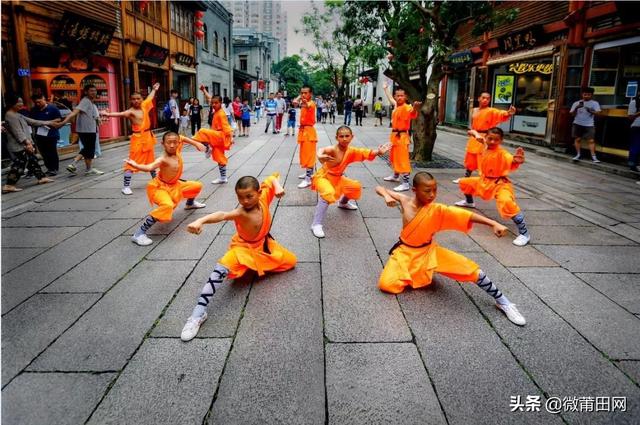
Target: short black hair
<point x="421" y="177"/>
<point x="173" y="91"/>
<point x="588" y="90"/>
<point x="247" y="182"/>
<point x="496" y="130"/>
<point x="11" y="100"/>
<point x="37" y="96"/>
<point x="216" y="96"/>
<point x="89" y="87"/>
<point x="168" y="134"/>
<point x="135" y="93"/>
<point x="307" y="86"/>
<point x="344" y="127"/>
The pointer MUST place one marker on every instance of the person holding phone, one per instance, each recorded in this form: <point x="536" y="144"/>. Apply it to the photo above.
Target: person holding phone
<point x="583" y="127"/>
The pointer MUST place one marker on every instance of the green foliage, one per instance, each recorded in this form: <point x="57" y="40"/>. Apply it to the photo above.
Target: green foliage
<point x="292" y="73"/>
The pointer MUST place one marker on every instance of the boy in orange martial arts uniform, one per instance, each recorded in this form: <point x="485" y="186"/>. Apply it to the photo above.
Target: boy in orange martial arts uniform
<point x="166" y="189"/>
<point x="142" y="139"/>
<point x="307" y="136"/>
<point x="401" y="118"/>
<point x="416" y="256"/>
<point x="482" y="118"/>
<point x="495" y="166"/>
<point x="330" y="182"/>
<point x="218" y="138"/>
<point x="251" y="248"/>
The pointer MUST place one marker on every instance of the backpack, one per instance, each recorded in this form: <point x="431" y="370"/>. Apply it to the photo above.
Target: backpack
<point x="166" y="112"/>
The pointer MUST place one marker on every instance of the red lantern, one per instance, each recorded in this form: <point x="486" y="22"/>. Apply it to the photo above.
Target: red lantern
<point x="199" y="35"/>
<point x="199" y="24"/>
<point x="247" y="86"/>
<point x="199" y="14"/>
<point x="143" y="4"/>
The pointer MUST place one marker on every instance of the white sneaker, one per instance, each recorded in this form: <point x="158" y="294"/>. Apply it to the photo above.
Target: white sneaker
<point x="192" y="327"/>
<point x="392" y="178"/>
<point x="402" y="187"/>
<point x="349" y="205"/>
<point x="93" y="172"/>
<point x="595" y="160"/>
<point x="207" y="152"/>
<point x="512" y="314"/>
<point x="142" y="240"/>
<point x="464" y="203"/>
<point x="317" y="230"/>
<point x="195" y="206"/>
<point x="522" y="240"/>
<point x="126" y="190"/>
<point x="304" y="183"/>
<point x="302" y="176"/>
<point x="72" y="169"/>
<point x="219" y="181"/>
<point x="576" y="158"/>
<point x="456" y="181"/>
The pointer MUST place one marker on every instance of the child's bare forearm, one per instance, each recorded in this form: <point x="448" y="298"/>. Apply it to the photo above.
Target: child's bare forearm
<point x="480" y="219"/>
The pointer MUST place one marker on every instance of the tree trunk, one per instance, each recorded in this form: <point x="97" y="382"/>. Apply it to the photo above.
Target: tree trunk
<point x="424" y="127"/>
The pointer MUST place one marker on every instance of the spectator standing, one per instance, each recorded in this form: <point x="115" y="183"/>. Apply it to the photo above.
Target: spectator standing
<point x="291" y="122"/>
<point x="46" y="138"/>
<point x="377" y="109"/>
<point x="175" y="111"/>
<point x="195" y="116"/>
<point x="332" y="111"/>
<point x="20" y="145"/>
<point x="237" y="115"/>
<point x="320" y="108"/>
<point x="257" y="108"/>
<point x="270" y="106"/>
<point x="281" y="106"/>
<point x="348" y="107"/>
<point x="358" y="107"/>
<point x="634" y="146"/>
<point x="184" y="123"/>
<point x="246" y="118"/>
<point x="583" y="124"/>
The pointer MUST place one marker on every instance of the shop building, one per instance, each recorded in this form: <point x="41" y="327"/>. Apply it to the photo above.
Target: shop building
<point x="254" y="53"/>
<point x="540" y="69"/>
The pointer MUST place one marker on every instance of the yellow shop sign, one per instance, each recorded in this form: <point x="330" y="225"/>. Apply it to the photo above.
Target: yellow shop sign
<point x="531" y="68"/>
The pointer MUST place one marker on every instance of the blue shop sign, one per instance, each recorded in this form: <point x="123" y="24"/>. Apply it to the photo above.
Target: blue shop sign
<point x="24" y="72"/>
<point x="461" y="59"/>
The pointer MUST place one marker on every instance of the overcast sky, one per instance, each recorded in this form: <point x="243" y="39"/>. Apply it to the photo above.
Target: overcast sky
<point x="295" y="9"/>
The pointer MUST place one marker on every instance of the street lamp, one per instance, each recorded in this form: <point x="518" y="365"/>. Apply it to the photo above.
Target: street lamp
<point x="257" y="81"/>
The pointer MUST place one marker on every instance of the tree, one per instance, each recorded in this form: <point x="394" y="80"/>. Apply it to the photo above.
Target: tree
<point x="292" y="73"/>
<point x="417" y="36"/>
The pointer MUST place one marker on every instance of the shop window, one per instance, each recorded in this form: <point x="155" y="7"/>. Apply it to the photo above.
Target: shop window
<point x="181" y="20"/>
<point x="215" y="89"/>
<point x="575" y="66"/>
<point x="243" y="62"/>
<point x="611" y="71"/>
<point x="151" y="10"/>
<point x="224" y="48"/>
<point x="205" y="40"/>
<point x="216" y="43"/>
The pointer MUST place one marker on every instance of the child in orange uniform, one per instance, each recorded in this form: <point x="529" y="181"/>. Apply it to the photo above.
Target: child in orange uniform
<point x="218" y="138"/>
<point x="166" y="189"/>
<point x="482" y="118"/>
<point x="307" y="136"/>
<point x="495" y="166"/>
<point x="401" y="124"/>
<point x="142" y="139"/>
<point x="330" y="182"/>
<point x="251" y="248"/>
<point x="416" y="256"/>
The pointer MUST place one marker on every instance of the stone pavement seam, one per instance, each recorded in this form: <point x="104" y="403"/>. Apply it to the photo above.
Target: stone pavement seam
<point x="576" y="275"/>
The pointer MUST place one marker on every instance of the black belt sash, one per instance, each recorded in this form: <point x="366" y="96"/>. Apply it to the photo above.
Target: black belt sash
<point x="265" y="244"/>
<point x="498" y="179"/>
<point x="401" y="242"/>
<point x="141" y="131"/>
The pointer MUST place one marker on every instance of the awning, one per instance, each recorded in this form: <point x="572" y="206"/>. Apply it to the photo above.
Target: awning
<point x="529" y="54"/>
<point x="617" y="43"/>
<point x="182" y="68"/>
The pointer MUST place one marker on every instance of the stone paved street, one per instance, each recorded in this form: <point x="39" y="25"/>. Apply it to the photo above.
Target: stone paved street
<point x="91" y="322"/>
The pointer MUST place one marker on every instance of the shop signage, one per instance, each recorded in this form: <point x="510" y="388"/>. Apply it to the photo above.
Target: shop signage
<point x="606" y="90"/>
<point x="80" y="32"/>
<point x="531" y="68"/>
<point x="24" y="72"/>
<point x="524" y="39"/>
<point x="533" y="125"/>
<point x="632" y="89"/>
<point x="503" y="92"/>
<point x="152" y="53"/>
<point x="461" y="59"/>
<point x="185" y="60"/>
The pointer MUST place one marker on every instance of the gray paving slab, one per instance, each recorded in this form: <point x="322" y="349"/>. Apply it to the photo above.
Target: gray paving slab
<point x="138" y="207"/>
<point x="626" y="231"/>
<point x="613" y="259"/>
<point x="548" y="344"/>
<point x="343" y="223"/>
<point x="180" y="219"/>
<point x="166" y="382"/>
<point x="83" y="205"/>
<point x="621" y="288"/>
<point x="461" y="351"/>
<point x="225" y="309"/>
<point x="613" y="330"/>
<point x="55" y="219"/>
<point x="98" y="272"/>
<point x="608" y="209"/>
<point x="296" y="197"/>
<point x="124" y="315"/>
<point x="291" y="228"/>
<point x="373" y="206"/>
<point x="553" y="218"/>
<point x="36" y="237"/>
<point x="509" y="254"/>
<point x="30" y="277"/>
<point x="275" y="372"/>
<point x="96" y="193"/>
<point x="379" y="384"/>
<point x="384" y="233"/>
<point x="13" y="257"/>
<point x="32" y="326"/>
<point x="355" y="310"/>
<point x="592" y="216"/>
<point x="631" y="368"/>
<point x="576" y="235"/>
<point x="182" y="245"/>
<point x="52" y="398"/>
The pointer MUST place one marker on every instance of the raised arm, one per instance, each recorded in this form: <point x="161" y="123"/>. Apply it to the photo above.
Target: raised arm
<point x="153" y="91"/>
<point x="498" y="229"/>
<point x="193" y="143"/>
<point x="325" y="154"/>
<point x="124" y="114"/>
<point x="391" y="198"/>
<point x="145" y="167"/>
<point x="67" y="119"/>
<point x="387" y="92"/>
<point x="195" y="227"/>
<point x="207" y="96"/>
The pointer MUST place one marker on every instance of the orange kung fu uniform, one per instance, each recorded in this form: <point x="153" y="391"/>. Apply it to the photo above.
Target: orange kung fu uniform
<point x="416" y="256"/>
<point x="168" y="194"/>
<point x="401" y="123"/>
<point x="495" y="166"/>
<point x="307" y="136"/>
<point x="262" y="253"/>
<point x="219" y="137"/>
<point x="483" y="120"/>
<point x="331" y="184"/>
<point x="142" y="140"/>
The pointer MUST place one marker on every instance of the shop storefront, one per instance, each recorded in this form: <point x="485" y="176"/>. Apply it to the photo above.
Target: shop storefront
<point x="184" y="75"/>
<point x="459" y="95"/>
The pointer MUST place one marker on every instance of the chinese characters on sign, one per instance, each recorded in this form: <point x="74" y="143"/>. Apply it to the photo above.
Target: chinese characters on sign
<point x="523" y="39"/>
<point x="503" y="89"/>
<point x="531" y="68"/>
<point x="533" y="403"/>
<point x="152" y="53"/>
<point x="185" y="60"/>
<point x="79" y="32"/>
<point x="461" y="59"/>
